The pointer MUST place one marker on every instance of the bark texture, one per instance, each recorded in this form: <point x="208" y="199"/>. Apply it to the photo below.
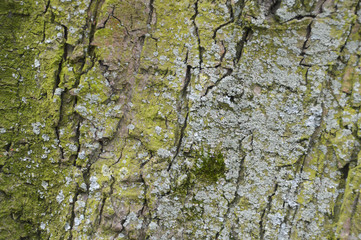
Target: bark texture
<point x="189" y="119"/>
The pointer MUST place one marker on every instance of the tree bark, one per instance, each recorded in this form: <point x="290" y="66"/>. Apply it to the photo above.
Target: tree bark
<point x="190" y="119"/>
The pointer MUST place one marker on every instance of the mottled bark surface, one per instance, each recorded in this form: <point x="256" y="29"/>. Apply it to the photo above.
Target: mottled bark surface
<point x="190" y="119"/>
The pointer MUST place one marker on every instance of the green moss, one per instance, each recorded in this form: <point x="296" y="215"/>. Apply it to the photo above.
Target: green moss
<point x="209" y="166"/>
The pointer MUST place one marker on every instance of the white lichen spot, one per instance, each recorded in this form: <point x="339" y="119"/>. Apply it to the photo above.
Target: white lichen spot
<point x="42" y="225"/>
<point x="44" y="185"/>
<point x="73" y="147"/>
<point x="60" y="197"/>
<point x="36" y="127"/>
<point x="92" y="98"/>
<point x="158" y="130"/>
<point x="67" y="227"/>
<point x="82" y="155"/>
<point x="153" y="226"/>
<point x="106" y="171"/>
<point x="131" y="127"/>
<point x="83" y="186"/>
<point x="45" y="137"/>
<point x="163" y="153"/>
<point x="123" y="172"/>
<point x="36" y="63"/>
<point x="72" y="30"/>
<point x="93" y="184"/>
<point x="78" y="220"/>
<point x="58" y="91"/>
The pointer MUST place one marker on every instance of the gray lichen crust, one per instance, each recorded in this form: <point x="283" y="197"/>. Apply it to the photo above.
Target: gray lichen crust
<point x="190" y="119"/>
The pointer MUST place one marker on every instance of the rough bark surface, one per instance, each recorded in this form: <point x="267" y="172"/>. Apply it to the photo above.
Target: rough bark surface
<point x="190" y="119"/>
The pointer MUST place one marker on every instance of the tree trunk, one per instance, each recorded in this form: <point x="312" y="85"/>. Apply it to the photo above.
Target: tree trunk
<point x="190" y="119"/>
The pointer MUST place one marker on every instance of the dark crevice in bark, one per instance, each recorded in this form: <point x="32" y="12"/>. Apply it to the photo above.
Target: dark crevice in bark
<point x="223" y="54"/>
<point x="306" y="75"/>
<point x="358" y="6"/>
<point x="308" y="32"/>
<point x="187" y="81"/>
<point x="345" y="43"/>
<point x="179" y="141"/>
<point x="230" y="9"/>
<point x="221" y="26"/>
<point x="121" y="154"/>
<point x="46" y="7"/>
<point x="57" y="133"/>
<point x="98" y="220"/>
<point x="304" y="46"/>
<point x="240" y="45"/>
<point x="302" y="160"/>
<point x="121" y="24"/>
<point x="313" y="139"/>
<point x="145" y="209"/>
<point x="7" y="147"/>
<point x="72" y="216"/>
<point x="92" y="21"/>
<point x="111" y="14"/>
<point x="77" y="137"/>
<point x="186" y="58"/>
<point x="200" y="48"/>
<point x="151" y="10"/>
<point x="273" y="7"/>
<point x="183" y="101"/>
<point x="287" y="217"/>
<point x="341" y="188"/>
<point x="300" y="17"/>
<point x="62" y="60"/>
<point x="65" y="36"/>
<point x="236" y="198"/>
<point x="44" y="30"/>
<point x="266" y="211"/>
<point x="351" y="28"/>
<point x="319" y="5"/>
<point x="100" y="216"/>
<point x="344" y="171"/>
<point x="56" y="86"/>
<point x="122" y="222"/>
<point x="228" y="73"/>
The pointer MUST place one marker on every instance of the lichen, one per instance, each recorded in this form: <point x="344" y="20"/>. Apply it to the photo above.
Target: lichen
<point x="183" y="119"/>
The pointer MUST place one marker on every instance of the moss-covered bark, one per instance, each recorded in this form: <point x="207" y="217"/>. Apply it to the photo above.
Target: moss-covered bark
<point x="191" y="119"/>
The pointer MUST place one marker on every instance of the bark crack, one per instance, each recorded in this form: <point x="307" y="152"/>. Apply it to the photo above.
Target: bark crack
<point x="240" y="45"/>
<point x="266" y="211"/>
<point x="183" y="101"/>
<point x="200" y="48"/>
<point x="236" y="198"/>
<point x="151" y="10"/>
<point x="72" y="216"/>
<point x="230" y="9"/>
<point x="209" y="88"/>
<point x="56" y="86"/>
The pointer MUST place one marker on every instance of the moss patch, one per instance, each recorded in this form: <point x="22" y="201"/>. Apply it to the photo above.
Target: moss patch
<point x="210" y="167"/>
